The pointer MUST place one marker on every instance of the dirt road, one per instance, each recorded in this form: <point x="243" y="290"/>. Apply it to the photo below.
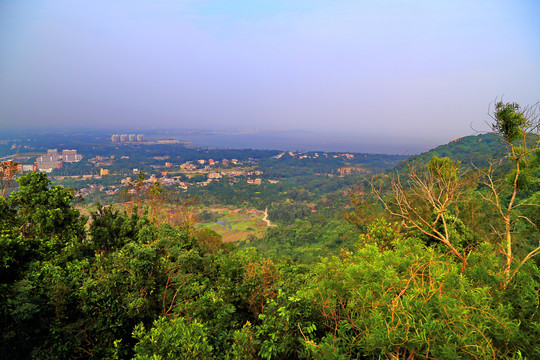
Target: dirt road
<point x="265" y="219"/>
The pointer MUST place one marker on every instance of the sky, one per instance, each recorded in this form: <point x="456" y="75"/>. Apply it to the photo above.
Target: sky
<point x="412" y="71"/>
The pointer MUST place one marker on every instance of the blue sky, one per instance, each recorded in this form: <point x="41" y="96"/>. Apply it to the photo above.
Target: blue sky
<point x="421" y="70"/>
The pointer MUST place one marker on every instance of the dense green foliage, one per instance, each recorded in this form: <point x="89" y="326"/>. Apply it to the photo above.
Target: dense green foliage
<point x="437" y="261"/>
<point x="306" y="240"/>
<point x="477" y="150"/>
<point x="309" y="188"/>
<point x="133" y="289"/>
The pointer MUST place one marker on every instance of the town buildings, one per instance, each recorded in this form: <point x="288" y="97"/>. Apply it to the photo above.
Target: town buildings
<point x="256" y="181"/>
<point x="54" y="160"/>
<point x="70" y="156"/>
<point x="127" y="138"/>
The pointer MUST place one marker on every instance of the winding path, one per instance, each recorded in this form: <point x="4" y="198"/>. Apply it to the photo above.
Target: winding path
<point x="265" y="218"/>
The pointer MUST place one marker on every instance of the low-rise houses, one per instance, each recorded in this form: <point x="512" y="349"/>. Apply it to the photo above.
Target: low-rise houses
<point x="233" y="173"/>
<point x="301" y="155"/>
<point x="256" y="181"/>
<point x="350" y="170"/>
<point x="102" y="160"/>
<point x="168" y="182"/>
<point x="214" y="175"/>
<point x="188" y="166"/>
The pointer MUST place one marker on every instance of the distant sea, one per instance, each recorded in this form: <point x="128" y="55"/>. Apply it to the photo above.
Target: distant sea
<point x="302" y="141"/>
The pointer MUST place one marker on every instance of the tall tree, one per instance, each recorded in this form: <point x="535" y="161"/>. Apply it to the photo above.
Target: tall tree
<point x="8" y="172"/>
<point x="424" y="202"/>
<point x="518" y="128"/>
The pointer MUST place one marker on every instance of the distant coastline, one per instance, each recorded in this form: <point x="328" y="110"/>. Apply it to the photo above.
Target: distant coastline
<point x="297" y="141"/>
<point x="260" y="139"/>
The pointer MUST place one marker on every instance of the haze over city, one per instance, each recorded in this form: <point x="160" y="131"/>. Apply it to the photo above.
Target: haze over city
<point x="411" y="73"/>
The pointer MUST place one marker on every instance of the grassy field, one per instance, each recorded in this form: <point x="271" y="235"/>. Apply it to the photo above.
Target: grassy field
<point x="236" y="224"/>
<point x="232" y="224"/>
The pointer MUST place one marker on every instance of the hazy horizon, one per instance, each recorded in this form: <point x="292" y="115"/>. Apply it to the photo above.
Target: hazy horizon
<point x="261" y="139"/>
<point x="412" y="75"/>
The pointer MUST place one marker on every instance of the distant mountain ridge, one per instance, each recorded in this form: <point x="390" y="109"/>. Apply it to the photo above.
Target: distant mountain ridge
<point x="477" y="150"/>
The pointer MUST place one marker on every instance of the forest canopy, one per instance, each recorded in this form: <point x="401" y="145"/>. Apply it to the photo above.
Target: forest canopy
<point x="435" y="259"/>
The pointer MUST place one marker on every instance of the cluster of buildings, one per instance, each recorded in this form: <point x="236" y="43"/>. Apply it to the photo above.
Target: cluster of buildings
<point x="232" y="175"/>
<point x="50" y="161"/>
<point x="102" y="160"/>
<point x="215" y="176"/>
<point x="190" y="166"/>
<point x="195" y="167"/>
<point x="299" y="155"/>
<point x="121" y="138"/>
<point x="167" y="142"/>
<point x="53" y="160"/>
<point x="351" y="170"/>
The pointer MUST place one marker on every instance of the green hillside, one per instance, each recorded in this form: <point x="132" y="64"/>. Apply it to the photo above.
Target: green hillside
<point x="436" y="262"/>
<point x="475" y="150"/>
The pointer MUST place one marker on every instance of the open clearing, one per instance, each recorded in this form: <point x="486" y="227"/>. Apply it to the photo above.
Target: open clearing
<point x="234" y="224"/>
